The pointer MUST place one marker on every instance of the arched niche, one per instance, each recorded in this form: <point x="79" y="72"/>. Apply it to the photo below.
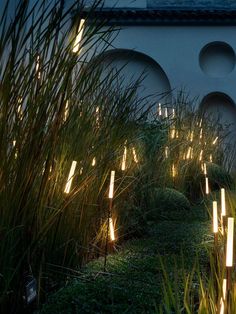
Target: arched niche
<point x="132" y="65"/>
<point x="222" y="107"/>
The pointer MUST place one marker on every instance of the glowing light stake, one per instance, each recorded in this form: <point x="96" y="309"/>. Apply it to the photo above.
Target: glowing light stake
<point x="230" y="242"/>
<point x="159" y="109"/>
<point x="191" y="136"/>
<point x="123" y="165"/>
<point x="215" y="140"/>
<point x="166" y="112"/>
<point x="37" y="67"/>
<point x="97" y="117"/>
<point x="222" y="306"/>
<point x="215" y="217"/>
<point x="222" y="198"/>
<point x="166" y="152"/>
<point x="207" y="185"/>
<point x="200" y="123"/>
<point x="200" y="136"/>
<point x="173" y="113"/>
<point x="172" y="133"/>
<point x="94" y="161"/>
<point x="76" y="47"/>
<point x="66" y="113"/>
<point x="111" y="187"/>
<point x="200" y="155"/>
<point x="111" y="229"/>
<point x="210" y="158"/>
<point x="173" y="170"/>
<point x="224" y="288"/>
<point x="205" y="169"/>
<point x="70" y="177"/>
<point x="134" y="155"/>
<point x="188" y="153"/>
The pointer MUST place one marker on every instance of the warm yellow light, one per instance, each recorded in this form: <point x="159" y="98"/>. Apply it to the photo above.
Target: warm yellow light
<point x="215" y="140"/>
<point x="191" y="136"/>
<point x="222" y="306"/>
<point x="200" y="136"/>
<point x="70" y="177"/>
<point x="215" y="217"/>
<point x="123" y="164"/>
<point x="159" y="109"/>
<point x="134" y="155"/>
<point x="81" y="170"/>
<point x="230" y="242"/>
<point x="200" y="123"/>
<point x="174" y="172"/>
<point x="166" y="152"/>
<point x="207" y="185"/>
<point x="188" y="153"/>
<point x="97" y="116"/>
<point x="111" y="229"/>
<point x="94" y="161"/>
<point x="172" y="132"/>
<point x="79" y="35"/>
<point x="200" y="155"/>
<point x="224" y="288"/>
<point x="205" y="169"/>
<point x="210" y="158"/>
<point x="222" y="198"/>
<point x="111" y="187"/>
<point x="66" y="113"/>
<point x="37" y="67"/>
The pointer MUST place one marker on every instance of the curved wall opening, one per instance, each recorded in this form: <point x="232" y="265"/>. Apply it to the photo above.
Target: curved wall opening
<point x="131" y="66"/>
<point x="217" y="59"/>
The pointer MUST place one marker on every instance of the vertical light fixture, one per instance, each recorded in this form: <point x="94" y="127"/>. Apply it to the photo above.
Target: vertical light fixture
<point x="215" y="217"/>
<point x="123" y="164"/>
<point x="111" y="229"/>
<point x="230" y="242"/>
<point x="76" y="46"/>
<point x="159" y="109"/>
<point x="70" y="177"/>
<point x="215" y="140"/>
<point x="207" y="185"/>
<point x="111" y="187"/>
<point x="134" y="155"/>
<point x="222" y="198"/>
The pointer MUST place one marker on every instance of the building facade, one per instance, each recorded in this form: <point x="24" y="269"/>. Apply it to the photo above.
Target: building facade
<point x="185" y="44"/>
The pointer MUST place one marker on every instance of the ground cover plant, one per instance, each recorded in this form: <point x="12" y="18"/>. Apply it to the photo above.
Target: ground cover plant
<point x="63" y="129"/>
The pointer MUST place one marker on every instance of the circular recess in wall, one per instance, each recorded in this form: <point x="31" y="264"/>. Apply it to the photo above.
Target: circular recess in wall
<point x="217" y="59"/>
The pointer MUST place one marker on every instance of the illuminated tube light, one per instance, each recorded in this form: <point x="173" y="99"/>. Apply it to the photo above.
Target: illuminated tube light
<point x="111" y="229"/>
<point x="159" y="109"/>
<point x="166" y="152"/>
<point x="205" y="169"/>
<point x="215" y="217"/>
<point x="166" y="112"/>
<point x="191" y="136"/>
<point x="111" y="187"/>
<point x="200" y="155"/>
<point x="200" y="136"/>
<point x="224" y="287"/>
<point x="70" y="177"/>
<point x="66" y="113"/>
<point x="172" y="133"/>
<point x="134" y="155"/>
<point x="210" y="157"/>
<point x="230" y="241"/>
<point x="207" y="185"/>
<point x="188" y="153"/>
<point x="215" y="140"/>
<point x="173" y="112"/>
<point x="173" y="171"/>
<point x="222" y="198"/>
<point x="222" y="307"/>
<point x="123" y="165"/>
<point x="79" y="35"/>
<point x="37" y="67"/>
<point x="94" y="161"/>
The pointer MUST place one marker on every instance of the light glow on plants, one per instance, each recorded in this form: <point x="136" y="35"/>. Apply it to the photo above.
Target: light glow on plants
<point x="76" y="47"/>
<point x="111" y="187"/>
